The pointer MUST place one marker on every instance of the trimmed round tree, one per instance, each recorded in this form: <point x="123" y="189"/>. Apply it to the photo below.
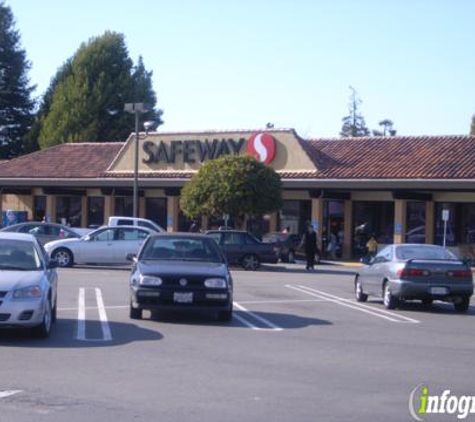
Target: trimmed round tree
<point x="237" y="185"/>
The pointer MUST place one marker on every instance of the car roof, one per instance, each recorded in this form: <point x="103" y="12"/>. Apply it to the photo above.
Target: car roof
<point x="17" y="236"/>
<point x="183" y="235"/>
<point x="226" y="231"/>
<point x="124" y="227"/>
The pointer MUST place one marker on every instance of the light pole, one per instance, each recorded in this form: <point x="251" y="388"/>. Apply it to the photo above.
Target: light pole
<point x="136" y="108"/>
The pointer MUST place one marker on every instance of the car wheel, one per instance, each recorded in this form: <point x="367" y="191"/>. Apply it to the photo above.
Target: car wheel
<point x="389" y="300"/>
<point x="225" y="316"/>
<point x="63" y="256"/>
<point x="43" y="330"/>
<point x="462" y="304"/>
<point x="291" y="257"/>
<point x="250" y="262"/>
<point x="360" y="296"/>
<point x="427" y="302"/>
<point x="135" y="313"/>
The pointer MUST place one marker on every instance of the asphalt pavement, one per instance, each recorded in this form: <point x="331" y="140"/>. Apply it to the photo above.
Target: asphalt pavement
<point x="299" y="348"/>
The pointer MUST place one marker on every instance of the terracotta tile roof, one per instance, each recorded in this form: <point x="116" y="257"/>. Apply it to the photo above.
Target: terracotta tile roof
<point x="398" y="157"/>
<point x="73" y="160"/>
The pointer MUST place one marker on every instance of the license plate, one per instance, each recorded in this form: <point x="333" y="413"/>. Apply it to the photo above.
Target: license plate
<point x="183" y="297"/>
<point x="439" y="290"/>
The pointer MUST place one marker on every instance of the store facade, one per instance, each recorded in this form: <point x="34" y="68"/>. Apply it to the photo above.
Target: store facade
<point x="396" y="188"/>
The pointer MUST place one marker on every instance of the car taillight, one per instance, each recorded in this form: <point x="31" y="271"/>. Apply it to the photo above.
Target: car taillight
<point x="459" y="274"/>
<point x="412" y="272"/>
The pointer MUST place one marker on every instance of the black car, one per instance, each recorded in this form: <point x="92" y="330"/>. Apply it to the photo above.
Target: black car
<point x="242" y="248"/>
<point x="286" y="245"/>
<point x="180" y="271"/>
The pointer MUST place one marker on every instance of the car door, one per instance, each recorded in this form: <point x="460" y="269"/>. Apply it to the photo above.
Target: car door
<point x="96" y="248"/>
<point x="375" y="272"/>
<point x="127" y="240"/>
<point x="233" y="246"/>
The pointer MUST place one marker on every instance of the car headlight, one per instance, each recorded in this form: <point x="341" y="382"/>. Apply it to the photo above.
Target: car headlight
<point x="147" y="280"/>
<point x="32" y="292"/>
<point x="216" y="283"/>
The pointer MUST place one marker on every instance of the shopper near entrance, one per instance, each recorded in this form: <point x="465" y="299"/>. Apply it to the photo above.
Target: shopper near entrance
<point x="194" y="228"/>
<point x="309" y="243"/>
<point x="372" y="247"/>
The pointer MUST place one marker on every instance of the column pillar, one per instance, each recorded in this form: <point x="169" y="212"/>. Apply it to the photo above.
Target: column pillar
<point x="84" y="212"/>
<point x="173" y="208"/>
<point x="204" y="222"/>
<point x="348" y="229"/>
<point x="51" y="207"/>
<point x="317" y="219"/>
<point x="142" y="206"/>
<point x="108" y="208"/>
<point x="399" y="221"/>
<point x="430" y="223"/>
<point x="273" y="222"/>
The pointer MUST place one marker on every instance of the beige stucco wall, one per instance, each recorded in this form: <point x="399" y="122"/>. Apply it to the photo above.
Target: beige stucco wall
<point x="18" y="203"/>
<point x="288" y="156"/>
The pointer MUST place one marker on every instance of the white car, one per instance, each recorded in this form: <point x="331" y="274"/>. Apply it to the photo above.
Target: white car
<point x="135" y="221"/>
<point x="28" y="284"/>
<point x="106" y="245"/>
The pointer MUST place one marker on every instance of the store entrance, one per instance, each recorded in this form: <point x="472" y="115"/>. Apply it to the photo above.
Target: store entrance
<point x="333" y="229"/>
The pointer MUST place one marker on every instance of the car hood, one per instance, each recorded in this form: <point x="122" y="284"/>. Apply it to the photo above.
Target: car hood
<point x="207" y="269"/>
<point x="10" y="280"/>
<point x="64" y="242"/>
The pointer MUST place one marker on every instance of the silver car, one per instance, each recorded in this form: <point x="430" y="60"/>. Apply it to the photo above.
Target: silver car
<point x="28" y="284"/>
<point x="44" y="232"/>
<point x="106" y="245"/>
<point x="415" y="271"/>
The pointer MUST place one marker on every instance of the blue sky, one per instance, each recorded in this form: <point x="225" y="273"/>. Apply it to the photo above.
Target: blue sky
<point x="242" y="63"/>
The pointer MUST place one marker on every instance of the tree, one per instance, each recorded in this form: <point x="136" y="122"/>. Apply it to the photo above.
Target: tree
<point x="354" y="124"/>
<point x="472" y="128"/>
<point x="85" y="101"/>
<point x="388" y="129"/>
<point x="16" y="104"/>
<point x="237" y="185"/>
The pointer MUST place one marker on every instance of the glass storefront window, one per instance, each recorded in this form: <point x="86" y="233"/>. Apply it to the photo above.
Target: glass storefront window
<point x="156" y="210"/>
<point x="68" y="210"/>
<point x="372" y="218"/>
<point x="124" y="206"/>
<point x="460" y="226"/>
<point x="294" y="214"/>
<point x="415" y="222"/>
<point x="451" y="233"/>
<point x="95" y="211"/>
<point x="39" y="208"/>
<point x="333" y="228"/>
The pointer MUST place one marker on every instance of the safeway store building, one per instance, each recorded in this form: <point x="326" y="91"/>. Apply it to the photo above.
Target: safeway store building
<point x="397" y="186"/>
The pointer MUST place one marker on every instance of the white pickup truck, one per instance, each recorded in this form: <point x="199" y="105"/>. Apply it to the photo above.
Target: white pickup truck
<point x="132" y="221"/>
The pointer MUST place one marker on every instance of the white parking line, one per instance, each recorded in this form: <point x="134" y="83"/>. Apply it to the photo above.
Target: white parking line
<point x="81" y="330"/>
<point x="271" y="326"/>
<point x="264" y="302"/>
<point x="8" y="393"/>
<point x="389" y="316"/>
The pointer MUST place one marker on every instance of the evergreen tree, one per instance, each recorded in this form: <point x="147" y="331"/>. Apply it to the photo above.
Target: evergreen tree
<point x="387" y="128"/>
<point x="86" y="99"/>
<point x="472" y="128"/>
<point x="16" y="104"/>
<point x="354" y="124"/>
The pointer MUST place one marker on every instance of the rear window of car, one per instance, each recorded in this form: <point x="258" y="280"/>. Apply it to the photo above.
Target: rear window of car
<point x="423" y="252"/>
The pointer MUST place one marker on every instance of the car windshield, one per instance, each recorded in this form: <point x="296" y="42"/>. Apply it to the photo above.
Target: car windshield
<point x="181" y="248"/>
<point x="18" y="255"/>
<point x="423" y="252"/>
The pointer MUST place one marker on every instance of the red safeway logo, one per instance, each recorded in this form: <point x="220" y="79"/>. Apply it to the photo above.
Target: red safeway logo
<point x="262" y="147"/>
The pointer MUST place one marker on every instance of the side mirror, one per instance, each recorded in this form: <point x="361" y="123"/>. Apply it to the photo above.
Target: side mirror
<point x="52" y="263"/>
<point x="131" y="257"/>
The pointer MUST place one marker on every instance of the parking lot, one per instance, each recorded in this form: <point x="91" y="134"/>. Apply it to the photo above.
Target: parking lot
<point x="299" y="348"/>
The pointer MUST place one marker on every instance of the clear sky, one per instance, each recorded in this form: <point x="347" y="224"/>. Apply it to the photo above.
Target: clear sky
<point x="238" y="64"/>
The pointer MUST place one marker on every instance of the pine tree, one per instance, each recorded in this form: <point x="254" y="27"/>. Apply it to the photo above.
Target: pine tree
<point x="354" y="124"/>
<point x="387" y="128"/>
<point x="88" y="96"/>
<point x="472" y="128"/>
<point x="16" y="104"/>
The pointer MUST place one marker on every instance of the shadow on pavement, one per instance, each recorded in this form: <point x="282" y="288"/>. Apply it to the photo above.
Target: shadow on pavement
<point x="202" y="318"/>
<point x="63" y="335"/>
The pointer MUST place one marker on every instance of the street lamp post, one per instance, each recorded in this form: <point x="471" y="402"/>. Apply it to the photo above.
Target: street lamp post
<point x="136" y="108"/>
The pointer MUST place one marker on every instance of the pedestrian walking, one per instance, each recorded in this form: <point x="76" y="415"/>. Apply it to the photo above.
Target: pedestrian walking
<point x="309" y="243"/>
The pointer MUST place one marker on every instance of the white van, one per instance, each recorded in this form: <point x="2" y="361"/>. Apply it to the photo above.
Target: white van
<point x="132" y="221"/>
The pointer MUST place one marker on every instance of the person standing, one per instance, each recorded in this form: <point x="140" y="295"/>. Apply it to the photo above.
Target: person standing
<point x="194" y="228"/>
<point x="372" y="247"/>
<point x="309" y="243"/>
